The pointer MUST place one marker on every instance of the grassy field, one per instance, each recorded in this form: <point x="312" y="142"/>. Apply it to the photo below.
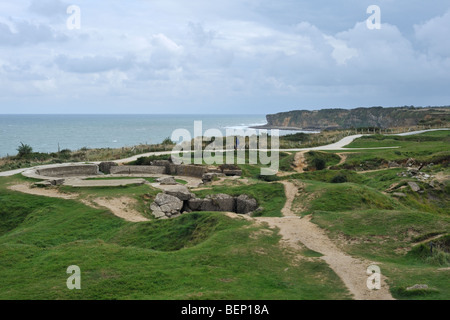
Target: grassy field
<point x="207" y="255"/>
<point x="196" y="256"/>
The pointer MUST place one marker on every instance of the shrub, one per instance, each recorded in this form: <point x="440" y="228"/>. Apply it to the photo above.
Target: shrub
<point x="268" y="178"/>
<point x="167" y="141"/>
<point x="339" y="178"/>
<point x="24" y="150"/>
<point x="319" y="163"/>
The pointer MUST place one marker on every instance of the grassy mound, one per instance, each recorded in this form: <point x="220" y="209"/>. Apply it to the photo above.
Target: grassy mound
<point x="169" y="235"/>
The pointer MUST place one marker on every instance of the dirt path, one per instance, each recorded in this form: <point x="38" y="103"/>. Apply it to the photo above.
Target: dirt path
<point x="295" y="230"/>
<point x="374" y="170"/>
<point x="300" y="161"/>
<point x="120" y="207"/>
<point x="343" y="157"/>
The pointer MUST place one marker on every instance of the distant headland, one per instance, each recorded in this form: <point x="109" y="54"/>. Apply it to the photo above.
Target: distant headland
<point x="377" y="117"/>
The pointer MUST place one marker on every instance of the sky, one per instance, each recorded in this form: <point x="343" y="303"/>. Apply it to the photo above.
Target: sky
<point x="221" y="57"/>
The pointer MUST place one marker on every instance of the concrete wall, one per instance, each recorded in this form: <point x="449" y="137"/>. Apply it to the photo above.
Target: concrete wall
<point x="69" y="171"/>
<point x="187" y="170"/>
<point x="138" y="170"/>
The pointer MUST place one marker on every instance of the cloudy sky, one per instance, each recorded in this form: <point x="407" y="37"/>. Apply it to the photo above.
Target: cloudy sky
<point x="234" y="56"/>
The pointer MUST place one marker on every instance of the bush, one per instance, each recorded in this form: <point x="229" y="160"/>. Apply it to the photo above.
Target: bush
<point x="339" y="178"/>
<point x="167" y="141"/>
<point x="440" y="255"/>
<point x="143" y="161"/>
<point x="24" y="150"/>
<point x="268" y="178"/>
<point x="147" y="161"/>
<point x="319" y="163"/>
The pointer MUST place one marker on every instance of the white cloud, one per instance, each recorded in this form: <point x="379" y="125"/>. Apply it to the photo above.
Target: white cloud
<point x="434" y="35"/>
<point x="241" y="51"/>
<point x="27" y="33"/>
<point x="48" y="8"/>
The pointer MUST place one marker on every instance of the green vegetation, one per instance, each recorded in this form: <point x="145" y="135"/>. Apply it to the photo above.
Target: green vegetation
<point x="24" y="150"/>
<point x="196" y="256"/>
<point x="360" y="211"/>
<point x="146" y="161"/>
<point x="364" y="204"/>
<point x="426" y="148"/>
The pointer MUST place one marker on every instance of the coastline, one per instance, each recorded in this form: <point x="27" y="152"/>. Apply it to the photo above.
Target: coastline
<point x="270" y="127"/>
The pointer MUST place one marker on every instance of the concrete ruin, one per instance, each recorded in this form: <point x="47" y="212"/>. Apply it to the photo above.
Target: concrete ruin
<point x="69" y="171"/>
<point x="179" y="200"/>
<point x="157" y="167"/>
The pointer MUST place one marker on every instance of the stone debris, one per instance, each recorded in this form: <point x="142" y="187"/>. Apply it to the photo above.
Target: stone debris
<point x="167" y="181"/>
<point x="414" y="186"/>
<point x="105" y="167"/>
<point x="181" y="192"/>
<point x="166" y="205"/>
<point x="399" y="194"/>
<point x="416" y="174"/>
<point x="172" y="203"/>
<point x="209" y="176"/>
<point x="49" y="183"/>
<point x="245" y="204"/>
<point x="417" y="287"/>
<point x="393" y="164"/>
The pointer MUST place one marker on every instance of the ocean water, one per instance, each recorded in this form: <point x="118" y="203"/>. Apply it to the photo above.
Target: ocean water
<point x="45" y="132"/>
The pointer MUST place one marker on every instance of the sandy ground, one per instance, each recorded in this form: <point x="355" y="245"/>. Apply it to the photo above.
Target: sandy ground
<point x="300" y="161"/>
<point x="46" y="192"/>
<point x="295" y="230"/>
<point x="121" y="207"/>
<point x="343" y="156"/>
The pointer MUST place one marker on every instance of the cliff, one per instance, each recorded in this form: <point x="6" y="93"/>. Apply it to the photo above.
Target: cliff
<point x="359" y="118"/>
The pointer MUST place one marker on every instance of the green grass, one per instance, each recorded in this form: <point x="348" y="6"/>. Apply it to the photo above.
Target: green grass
<point x="327" y="175"/>
<point x="195" y="256"/>
<point x="329" y="159"/>
<point x="311" y="253"/>
<point x="286" y="161"/>
<point x="347" y="197"/>
<point x="430" y="147"/>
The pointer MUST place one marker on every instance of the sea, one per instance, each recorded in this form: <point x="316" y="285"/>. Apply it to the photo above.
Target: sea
<point x="47" y="133"/>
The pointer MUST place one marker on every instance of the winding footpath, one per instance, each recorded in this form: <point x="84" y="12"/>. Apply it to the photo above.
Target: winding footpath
<point x="351" y="271"/>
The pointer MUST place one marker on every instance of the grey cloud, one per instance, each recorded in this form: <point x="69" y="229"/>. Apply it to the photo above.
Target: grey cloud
<point x="22" y="72"/>
<point x="434" y="34"/>
<point x="28" y="34"/>
<point x="200" y="36"/>
<point x="48" y="8"/>
<point x="93" y="64"/>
